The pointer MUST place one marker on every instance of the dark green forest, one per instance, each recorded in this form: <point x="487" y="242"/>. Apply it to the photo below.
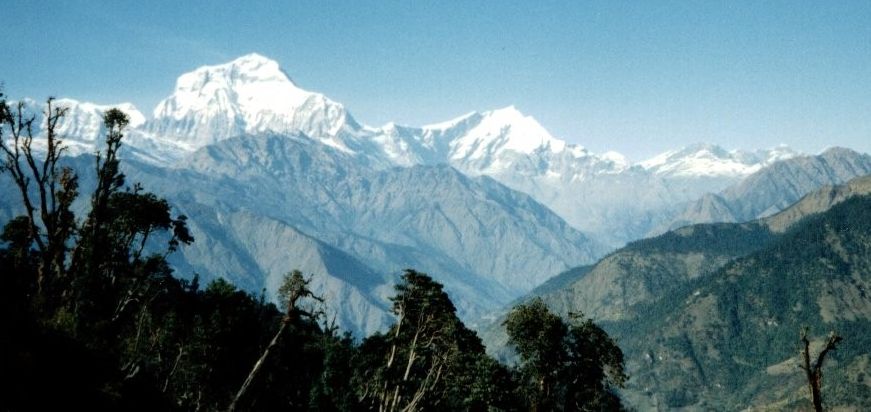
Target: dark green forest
<point x="96" y="319"/>
<point x="726" y="330"/>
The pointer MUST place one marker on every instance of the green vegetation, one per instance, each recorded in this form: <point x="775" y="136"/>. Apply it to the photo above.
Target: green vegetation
<point x="564" y="366"/>
<point x="96" y="320"/>
<point x="730" y="339"/>
<point x="725" y="238"/>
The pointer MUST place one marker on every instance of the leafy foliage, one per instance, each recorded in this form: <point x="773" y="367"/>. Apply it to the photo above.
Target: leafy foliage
<point x="564" y="366"/>
<point x="429" y="359"/>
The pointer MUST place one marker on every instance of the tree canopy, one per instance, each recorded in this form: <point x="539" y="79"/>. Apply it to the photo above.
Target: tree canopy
<point x="565" y="366"/>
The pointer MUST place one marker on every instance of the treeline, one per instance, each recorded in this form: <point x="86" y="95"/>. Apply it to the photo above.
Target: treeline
<point x="95" y="319"/>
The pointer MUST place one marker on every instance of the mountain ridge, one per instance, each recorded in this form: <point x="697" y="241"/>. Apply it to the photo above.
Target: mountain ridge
<point x="595" y="193"/>
<point x="655" y="295"/>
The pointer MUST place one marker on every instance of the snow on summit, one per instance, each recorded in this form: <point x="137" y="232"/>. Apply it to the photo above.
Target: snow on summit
<point x="703" y="159"/>
<point x="253" y="95"/>
<point x="504" y="129"/>
<point x="257" y="85"/>
<point x="81" y="128"/>
<point x="248" y="95"/>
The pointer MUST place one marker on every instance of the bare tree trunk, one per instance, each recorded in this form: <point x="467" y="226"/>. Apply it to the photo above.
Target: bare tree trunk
<point x="174" y="367"/>
<point x="258" y="365"/>
<point x="296" y="288"/>
<point x="814" y="373"/>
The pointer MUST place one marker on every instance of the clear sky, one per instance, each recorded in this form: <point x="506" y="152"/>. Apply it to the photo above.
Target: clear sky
<point x="636" y="77"/>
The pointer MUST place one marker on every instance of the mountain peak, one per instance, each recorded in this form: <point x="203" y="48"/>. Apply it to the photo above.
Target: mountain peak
<point x="505" y="129"/>
<point x="510" y="110"/>
<point x="248" y="95"/>
<point x="706" y="159"/>
<point x="255" y="67"/>
<point x="508" y="114"/>
<point x="254" y="76"/>
<point x="838" y="151"/>
<point x="254" y="57"/>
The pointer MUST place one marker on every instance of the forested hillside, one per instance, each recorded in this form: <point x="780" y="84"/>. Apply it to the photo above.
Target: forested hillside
<point x="710" y="316"/>
<point x="731" y="340"/>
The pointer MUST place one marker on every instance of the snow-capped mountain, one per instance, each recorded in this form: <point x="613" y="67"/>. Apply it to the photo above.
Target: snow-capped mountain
<point x="601" y="194"/>
<point x="253" y="95"/>
<point x="85" y="120"/>
<point x="493" y="143"/>
<point x="774" y="188"/>
<point x="81" y="127"/>
<point x="714" y="161"/>
<point x="249" y="95"/>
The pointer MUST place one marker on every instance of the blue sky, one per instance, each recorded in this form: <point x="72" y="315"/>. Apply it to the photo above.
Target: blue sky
<point x="636" y="77"/>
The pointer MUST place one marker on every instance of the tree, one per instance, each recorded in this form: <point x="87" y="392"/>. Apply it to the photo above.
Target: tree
<point x="539" y="338"/>
<point x="814" y="372"/>
<point x="594" y="369"/>
<point x="106" y="270"/>
<point x="428" y="359"/>
<point x="48" y="221"/>
<point x="88" y="287"/>
<point x="109" y="270"/>
<point x="292" y="291"/>
<point x="564" y="366"/>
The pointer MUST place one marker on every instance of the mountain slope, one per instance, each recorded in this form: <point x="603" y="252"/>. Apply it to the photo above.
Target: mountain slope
<point x="486" y="243"/>
<point x="775" y="187"/>
<point x="731" y="341"/>
<point x="647" y="287"/>
<point x="644" y="270"/>
<point x="818" y="201"/>
<point x="599" y="194"/>
<point x="321" y="190"/>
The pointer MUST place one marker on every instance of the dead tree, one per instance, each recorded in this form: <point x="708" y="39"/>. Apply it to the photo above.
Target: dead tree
<point x="814" y="372"/>
<point x="294" y="289"/>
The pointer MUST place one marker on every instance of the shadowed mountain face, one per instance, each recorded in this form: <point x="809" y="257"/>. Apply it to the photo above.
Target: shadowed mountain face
<point x="709" y="315"/>
<point x="260" y="206"/>
<point x="730" y="340"/>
